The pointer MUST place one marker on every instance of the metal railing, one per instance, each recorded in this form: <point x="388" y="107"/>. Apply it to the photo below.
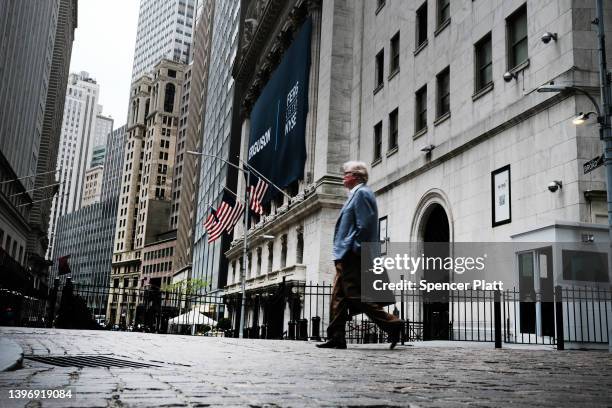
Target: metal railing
<point x="299" y="311"/>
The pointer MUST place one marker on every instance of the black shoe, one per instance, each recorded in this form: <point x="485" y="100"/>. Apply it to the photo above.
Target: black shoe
<point x="333" y="344"/>
<point x="394" y="335"/>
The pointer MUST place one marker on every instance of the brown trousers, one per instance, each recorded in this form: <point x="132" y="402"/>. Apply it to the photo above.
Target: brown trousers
<point x="341" y="304"/>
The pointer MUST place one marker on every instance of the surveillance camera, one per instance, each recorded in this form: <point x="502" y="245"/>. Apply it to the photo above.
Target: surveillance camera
<point x="509" y="76"/>
<point x="547" y="36"/>
<point x="553" y="186"/>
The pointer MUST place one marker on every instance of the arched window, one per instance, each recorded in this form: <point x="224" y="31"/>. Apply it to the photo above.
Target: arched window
<point x="169" y="98"/>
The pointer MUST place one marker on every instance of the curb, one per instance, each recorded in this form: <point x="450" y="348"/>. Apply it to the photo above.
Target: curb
<point x="11" y="355"/>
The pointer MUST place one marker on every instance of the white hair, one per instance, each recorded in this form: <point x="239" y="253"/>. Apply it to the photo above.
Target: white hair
<point x="358" y="168"/>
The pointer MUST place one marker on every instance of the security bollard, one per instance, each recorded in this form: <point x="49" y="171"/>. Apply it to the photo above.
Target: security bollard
<point x="292" y="324"/>
<point x="316" y="328"/>
<point x="302" y="329"/>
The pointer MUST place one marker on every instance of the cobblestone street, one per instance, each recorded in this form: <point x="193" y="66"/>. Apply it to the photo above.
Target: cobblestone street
<point x="201" y="371"/>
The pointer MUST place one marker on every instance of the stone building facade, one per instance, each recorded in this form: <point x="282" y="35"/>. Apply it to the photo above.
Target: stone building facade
<point x="36" y="51"/>
<point x="417" y="90"/>
<point x="145" y="200"/>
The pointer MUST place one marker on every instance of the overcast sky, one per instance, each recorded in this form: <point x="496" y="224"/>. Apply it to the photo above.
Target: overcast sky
<point x="104" y="47"/>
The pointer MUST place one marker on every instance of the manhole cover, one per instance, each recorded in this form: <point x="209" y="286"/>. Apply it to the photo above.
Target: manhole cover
<point x="87" y="361"/>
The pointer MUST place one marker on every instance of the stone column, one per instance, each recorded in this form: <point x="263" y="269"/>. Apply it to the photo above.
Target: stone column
<point x="314" y="11"/>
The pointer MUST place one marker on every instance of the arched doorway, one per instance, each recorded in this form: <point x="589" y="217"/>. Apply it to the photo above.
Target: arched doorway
<point x="435" y="233"/>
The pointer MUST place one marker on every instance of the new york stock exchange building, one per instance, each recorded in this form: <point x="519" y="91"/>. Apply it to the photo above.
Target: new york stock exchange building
<point x="441" y="100"/>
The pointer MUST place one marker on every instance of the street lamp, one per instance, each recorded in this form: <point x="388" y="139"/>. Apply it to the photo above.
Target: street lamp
<point x="582" y="117"/>
<point x="246" y="227"/>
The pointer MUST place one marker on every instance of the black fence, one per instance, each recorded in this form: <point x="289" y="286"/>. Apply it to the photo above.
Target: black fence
<point x="23" y="300"/>
<point x="299" y="311"/>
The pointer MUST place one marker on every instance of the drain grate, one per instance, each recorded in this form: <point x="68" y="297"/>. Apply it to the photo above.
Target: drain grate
<point x="87" y="361"/>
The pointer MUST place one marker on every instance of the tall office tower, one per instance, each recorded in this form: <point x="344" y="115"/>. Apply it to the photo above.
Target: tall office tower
<point x="78" y="128"/>
<point x="87" y="234"/>
<point x="159" y="152"/>
<point x="185" y="178"/>
<point x="35" y="53"/>
<point x="93" y="186"/>
<point x="209" y="263"/>
<point x="97" y="156"/>
<point x="164" y="31"/>
<point x="113" y="163"/>
<point x="144" y="208"/>
<point x="104" y="126"/>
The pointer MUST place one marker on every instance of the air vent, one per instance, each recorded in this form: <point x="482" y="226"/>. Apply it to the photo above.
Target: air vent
<point x="87" y="361"/>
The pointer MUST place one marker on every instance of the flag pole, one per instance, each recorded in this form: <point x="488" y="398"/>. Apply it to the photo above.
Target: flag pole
<point x="231" y="192"/>
<point x="246" y="222"/>
<point x="254" y="170"/>
<point x="244" y="257"/>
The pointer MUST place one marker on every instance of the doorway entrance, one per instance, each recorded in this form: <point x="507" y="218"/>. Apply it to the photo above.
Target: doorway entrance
<point x="436" y="238"/>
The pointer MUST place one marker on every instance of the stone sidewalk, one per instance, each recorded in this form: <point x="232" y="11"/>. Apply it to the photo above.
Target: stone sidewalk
<point x="201" y="371"/>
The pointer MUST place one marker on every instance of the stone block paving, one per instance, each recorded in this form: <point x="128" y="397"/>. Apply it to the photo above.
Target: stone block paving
<point x="204" y="371"/>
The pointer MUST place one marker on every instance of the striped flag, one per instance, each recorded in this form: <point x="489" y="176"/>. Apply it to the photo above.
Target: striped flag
<point x="210" y="220"/>
<point x="257" y="193"/>
<point x="235" y="216"/>
<point x="219" y="226"/>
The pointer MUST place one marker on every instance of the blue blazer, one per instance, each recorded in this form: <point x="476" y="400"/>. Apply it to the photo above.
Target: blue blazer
<point x="357" y="223"/>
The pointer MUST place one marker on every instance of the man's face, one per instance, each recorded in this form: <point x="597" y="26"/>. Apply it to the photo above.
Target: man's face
<point x="349" y="180"/>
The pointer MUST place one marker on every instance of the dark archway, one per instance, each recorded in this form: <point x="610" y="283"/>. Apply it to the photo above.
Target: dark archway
<point x="436" y="238"/>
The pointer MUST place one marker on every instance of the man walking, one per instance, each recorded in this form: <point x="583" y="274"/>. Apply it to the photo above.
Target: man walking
<point x="356" y="225"/>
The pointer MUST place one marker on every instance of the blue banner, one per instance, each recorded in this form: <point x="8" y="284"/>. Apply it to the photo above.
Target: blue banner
<point x="277" y="146"/>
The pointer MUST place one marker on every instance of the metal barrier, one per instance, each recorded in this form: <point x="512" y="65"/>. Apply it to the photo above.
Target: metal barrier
<point x="300" y="311"/>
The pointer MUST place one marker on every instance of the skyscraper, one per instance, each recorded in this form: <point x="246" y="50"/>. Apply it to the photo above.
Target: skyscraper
<point x="87" y="234"/>
<point x="78" y="129"/>
<point x="144" y="207"/>
<point x="186" y="169"/>
<point x="35" y="53"/>
<point x="164" y="31"/>
<point x="209" y="263"/>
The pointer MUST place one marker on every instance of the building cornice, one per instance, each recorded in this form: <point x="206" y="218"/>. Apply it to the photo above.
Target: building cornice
<point x="287" y="216"/>
<point x="274" y="27"/>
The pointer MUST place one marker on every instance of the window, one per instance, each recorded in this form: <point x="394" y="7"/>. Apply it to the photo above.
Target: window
<point x="393" y="129"/>
<point x="380" y="68"/>
<point x="421" y="25"/>
<point x="443" y="12"/>
<point x="517" y="37"/>
<point x="270" y="256"/>
<point x="394" y="61"/>
<point x="421" y="109"/>
<point x="585" y="266"/>
<point x="169" y="98"/>
<point x="379" y="4"/>
<point x="443" y="97"/>
<point x="484" y="63"/>
<point x="377" y="141"/>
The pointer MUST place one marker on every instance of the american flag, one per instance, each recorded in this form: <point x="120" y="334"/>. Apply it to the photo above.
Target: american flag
<point x="216" y="230"/>
<point x="210" y="220"/>
<point x="235" y="215"/>
<point x="257" y="193"/>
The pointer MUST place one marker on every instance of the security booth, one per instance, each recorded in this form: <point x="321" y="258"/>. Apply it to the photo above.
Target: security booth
<point x="563" y="265"/>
